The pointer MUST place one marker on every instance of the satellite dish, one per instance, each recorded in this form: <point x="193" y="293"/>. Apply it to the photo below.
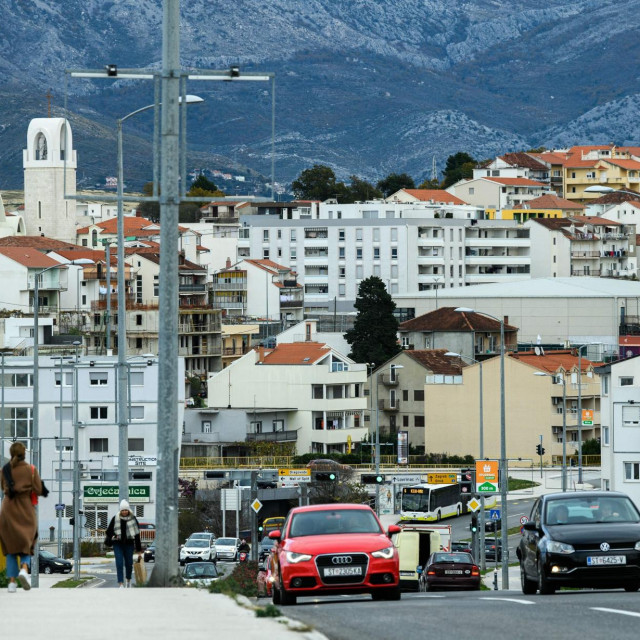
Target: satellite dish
<point x="541" y="351"/>
<point x="537" y="350"/>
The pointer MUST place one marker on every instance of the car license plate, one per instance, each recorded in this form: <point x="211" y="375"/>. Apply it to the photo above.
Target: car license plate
<point x="342" y="571"/>
<point x="453" y="572"/>
<point x="598" y="560"/>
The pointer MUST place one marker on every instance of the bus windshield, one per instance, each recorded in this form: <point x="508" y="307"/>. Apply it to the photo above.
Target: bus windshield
<point x="415" y="499"/>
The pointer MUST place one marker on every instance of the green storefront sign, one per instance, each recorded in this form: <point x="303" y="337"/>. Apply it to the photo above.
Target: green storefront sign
<point x="110" y="493"/>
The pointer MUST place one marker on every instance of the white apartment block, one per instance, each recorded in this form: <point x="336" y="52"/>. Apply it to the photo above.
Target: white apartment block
<point x="406" y="247"/>
<point x="86" y="401"/>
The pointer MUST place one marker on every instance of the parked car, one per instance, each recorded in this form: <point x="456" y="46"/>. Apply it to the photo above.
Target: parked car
<point x="493" y="549"/>
<point x="449" y="571"/>
<point x="585" y="539"/>
<point x="200" y="574"/>
<point x="326" y="464"/>
<point x="490" y="525"/>
<point x="329" y="549"/>
<point x="150" y="553"/>
<point x="197" y="550"/>
<point x="50" y="563"/>
<point x="227" y="548"/>
<point x="266" y="546"/>
<point x="465" y="547"/>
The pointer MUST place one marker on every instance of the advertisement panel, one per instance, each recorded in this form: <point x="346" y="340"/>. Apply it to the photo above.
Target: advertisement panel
<point x="403" y="447"/>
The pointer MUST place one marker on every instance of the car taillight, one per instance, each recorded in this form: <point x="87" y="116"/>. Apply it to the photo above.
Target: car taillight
<point x="475" y="571"/>
<point x="431" y="572"/>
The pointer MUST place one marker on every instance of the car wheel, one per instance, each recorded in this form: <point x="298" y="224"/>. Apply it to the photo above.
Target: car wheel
<point x="286" y="599"/>
<point x="458" y="511"/>
<point x="47" y="569"/>
<point x="630" y="588"/>
<point x="544" y="587"/>
<point x="529" y="587"/>
<point x="421" y="586"/>
<point x="275" y="594"/>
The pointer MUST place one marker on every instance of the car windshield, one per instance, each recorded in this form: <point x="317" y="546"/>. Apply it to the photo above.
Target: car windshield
<point x="197" y="543"/>
<point x="590" y="510"/>
<point x="47" y="554"/>
<point x="229" y="542"/>
<point x="207" y="570"/>
<point x="451" y="557"/>
<point x="267" y="542"/>
<point x="200" y="536"/>
<point x="313" y="523"/>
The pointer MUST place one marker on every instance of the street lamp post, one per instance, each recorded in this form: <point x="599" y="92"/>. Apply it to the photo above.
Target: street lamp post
<point x="564" y="423"/>
<point x="504" y="466"/>
<point x="451" y="354"/>
<point x="123" y="424"/>
<point x="580" y="348"/>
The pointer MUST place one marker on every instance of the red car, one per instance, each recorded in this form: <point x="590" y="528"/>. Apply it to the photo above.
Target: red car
<point x="328" y="549"/>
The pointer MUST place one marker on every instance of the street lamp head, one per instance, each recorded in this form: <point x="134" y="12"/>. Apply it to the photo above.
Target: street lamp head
<point x="452" y="354"/>
<point x="464" y="310"/>
<point x="80" y="261"/>
<point x="397" y="366"/>
<point x="599" y="188"/>
<point x="191" y="99"/>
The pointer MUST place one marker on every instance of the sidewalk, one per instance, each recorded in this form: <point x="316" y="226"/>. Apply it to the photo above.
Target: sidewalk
<point x="514" y="579"/>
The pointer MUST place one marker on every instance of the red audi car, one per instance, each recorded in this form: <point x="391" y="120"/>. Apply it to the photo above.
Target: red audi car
<point x="328" y="549"/>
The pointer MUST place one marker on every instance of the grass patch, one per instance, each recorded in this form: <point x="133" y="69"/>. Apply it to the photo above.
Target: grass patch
<point x="70" y="583"/>
<point x="270" y="611"/>
<point x="241" y="581"/>
<point x="516" y="484"/>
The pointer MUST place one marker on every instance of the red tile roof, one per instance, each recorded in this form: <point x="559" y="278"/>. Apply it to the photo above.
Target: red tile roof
<point x="448" y="319"/>
<point x="552" y="361"/>
<point x="548" y="201"/>
<point x="516" y="182"/>
<point x="41" y="243"/>
<point x="437" y="195"/>
<point x="132" y="226"/>
<point x="298" y="353"/>
<point x="522" y="159"/>
<point x="625" y="164"/>
<point x="435" y="361"/>
<point x="28" y="257"/>
<point x="617" y="197"/>
<point x="267" y="265"/>
<point x="597" y="221"/>
<point x="86" y="254"/>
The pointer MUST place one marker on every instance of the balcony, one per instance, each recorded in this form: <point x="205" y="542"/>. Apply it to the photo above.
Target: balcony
<point x="228" y="304"/>
<point x="238" y="285"/>
<point x="291" y="304"/>
<point x="593" y="273"/>
<point x="235" y="351"/>
<point x="273" y="436"/>
<point x="585" y="254"/>
<point x="192" y="288"/>
<point x="387" y="405"/>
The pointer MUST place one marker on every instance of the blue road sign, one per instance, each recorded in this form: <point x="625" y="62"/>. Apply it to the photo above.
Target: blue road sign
<point x="494" y="514"/>
<point x="59" y="507"/>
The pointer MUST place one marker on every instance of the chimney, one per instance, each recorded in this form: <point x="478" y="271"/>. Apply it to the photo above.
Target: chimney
<point x="506" y="320"/>
<point x="228" y="265"/>
<point x="260" y="354"/>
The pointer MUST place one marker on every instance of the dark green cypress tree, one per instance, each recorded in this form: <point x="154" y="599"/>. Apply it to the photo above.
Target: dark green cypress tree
<point x="374" y="337"/>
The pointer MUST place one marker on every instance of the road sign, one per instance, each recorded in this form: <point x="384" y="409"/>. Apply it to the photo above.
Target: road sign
<point x="293" y="477"/>
<point x="587" y="417"/>
<point x="487" y="476"/>
<point x="473" y="504"/>
<point x="494" y="514"/>
<point x="256" y="505"/>
<point x="524" y="519"/>
<point x="442" y="478"/>
<point x="59" y="507"/>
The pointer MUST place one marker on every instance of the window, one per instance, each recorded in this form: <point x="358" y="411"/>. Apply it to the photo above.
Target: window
<point x="631" y="415"/>
<point x="136" y="378"/>
<point x="98" y="413"/>
<point x="98" y="378"/>
<point x="359" y="272"/>
<point x="405" y="421"/>
<point x="340" y="234"/>
<point x="359" y="253"/>
<point x="293" y="235"/>
<point x="626" y="381"/>
<point x="317" y="391"/>
<point x="265" y="254"/>
<point x="418" y="421"/>
<point x="376" y="234"/>
<point x="405" y="394"/>
<point x="138" y="319"/>
<point x="359" y="234"/>
<point x="138" y="343"/>
<point x="19" y="380"/>
<point x="265" y="235"/>
<point x="471" y="191"/>
<point x="279" y="235"/>
<point x="137" y="412"/>
<point x="341" y="252"/>
<point x="376" y="253"/>
<point x="156" y="286"/>
<point x="604" y="383"/>
<point x="394" y="234"/>
<point x="206" y="426"/>
<point x="67" y="379"/>
<point x="98" y="445"/>
<point x="18" y="422"/>
<point x="135" y="444"/>
<point x="342" y="290"/>
<point x="605" y="436"/>
<point x="632" y="471"/>
<point x="255" y="427"/>
<point x="342" y="271"/>
<point x="418" y="395"/>
<point x="394" y="253"/>
<point x="67" y="413"/>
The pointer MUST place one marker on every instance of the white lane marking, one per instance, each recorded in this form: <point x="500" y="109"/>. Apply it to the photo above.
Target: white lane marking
<point x="516" y="600"/>
<point x="635" y="614"/>
<point x="426" y="595"/>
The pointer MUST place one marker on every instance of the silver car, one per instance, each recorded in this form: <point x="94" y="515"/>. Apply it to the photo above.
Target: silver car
<point x="227" y="548"/>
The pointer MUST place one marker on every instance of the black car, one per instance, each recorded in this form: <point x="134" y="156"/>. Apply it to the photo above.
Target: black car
<point x="150" y="553"/>
<point x="491" y="525"/>
<point x="588" y="539"/>
<point x="449" y="571"/>
<point x="50" y="563"/>
<point x="465" y="547"/>
<point x="266" y="544"/>
<point x="493" y="549"/>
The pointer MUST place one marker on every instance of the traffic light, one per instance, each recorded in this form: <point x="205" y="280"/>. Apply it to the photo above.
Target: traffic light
<point x="473" y="526"/>
<point x="466" y="481"/>
<point x="325" y="476"/>
<point x="539" y="449"/>
<point x="372" y="478"/>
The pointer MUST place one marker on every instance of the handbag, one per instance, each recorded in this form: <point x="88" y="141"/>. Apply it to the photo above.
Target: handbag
<point x="140" y="571"/>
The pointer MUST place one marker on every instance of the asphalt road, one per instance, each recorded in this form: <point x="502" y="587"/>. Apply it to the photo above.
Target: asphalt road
<point x="487" y="614"/>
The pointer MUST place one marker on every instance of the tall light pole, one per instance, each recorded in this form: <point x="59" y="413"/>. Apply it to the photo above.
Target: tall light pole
<point x="580" y="348"/>
<point x="123" y="422"/>
<point x="35" y="434"/>
<point x="564" y="423"/>
<point x="2" y="422"/>
<point x="504" y="465"/>
<point x="451" y="354"/>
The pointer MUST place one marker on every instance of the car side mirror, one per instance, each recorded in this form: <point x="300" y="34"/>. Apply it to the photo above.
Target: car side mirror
<point x="275" y="535"/>
<point x="530" y="526"/>
<point x="393" y="528"/>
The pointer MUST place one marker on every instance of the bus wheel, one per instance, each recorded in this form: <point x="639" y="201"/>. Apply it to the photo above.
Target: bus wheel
<point x="459" y="511"/>
<point x="438" y="516"/>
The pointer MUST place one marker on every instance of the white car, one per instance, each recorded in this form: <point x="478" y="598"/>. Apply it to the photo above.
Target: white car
<point x="227" y="548"/>
<point x="197" y="550"/>
<point x="200" y="574"/>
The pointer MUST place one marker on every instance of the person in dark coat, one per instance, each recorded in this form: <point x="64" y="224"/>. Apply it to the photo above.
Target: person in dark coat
<point x="123" y="534"/>
<point x="18" y="521"/>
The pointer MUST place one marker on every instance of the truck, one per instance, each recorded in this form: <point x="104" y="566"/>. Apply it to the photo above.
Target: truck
<point x="415" y="543"/>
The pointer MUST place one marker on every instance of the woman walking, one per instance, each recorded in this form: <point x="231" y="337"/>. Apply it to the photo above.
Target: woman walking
<point x="18" y="522"/>
<point x="123" y="534"/>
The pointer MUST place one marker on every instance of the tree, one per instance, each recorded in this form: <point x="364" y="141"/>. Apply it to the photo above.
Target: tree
<point x="149" y="210"/>
<point x="359" y="190"/>
<point x="394" y="182"/>
<point x="590" y="447"/>
<point x="430" y="184"/>
<point x="202" y="182"/>
<point x="373" y="337"/>
<point x="317" y="183"/>
<point x="459" y="166"/>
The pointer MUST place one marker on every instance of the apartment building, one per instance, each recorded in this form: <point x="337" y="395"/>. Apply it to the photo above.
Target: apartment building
<point x="515" y="165"/>
<point x="498" y="192"/>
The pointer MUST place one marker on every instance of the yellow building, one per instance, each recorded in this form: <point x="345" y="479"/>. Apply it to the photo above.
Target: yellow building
<point x="533" y="407"/>
<point x="546" y="206"/>
<point x="236" y="341"/>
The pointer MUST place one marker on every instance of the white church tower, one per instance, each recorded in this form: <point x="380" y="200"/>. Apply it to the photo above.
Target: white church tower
<point x="46" y="212"/>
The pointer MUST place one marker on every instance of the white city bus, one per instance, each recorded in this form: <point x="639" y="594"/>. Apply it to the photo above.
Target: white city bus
<point x="427" y="502"/>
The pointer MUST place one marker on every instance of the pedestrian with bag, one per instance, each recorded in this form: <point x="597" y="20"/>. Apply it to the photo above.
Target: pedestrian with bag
<point x="123" y="534"/>
<point x="22" y="485"/>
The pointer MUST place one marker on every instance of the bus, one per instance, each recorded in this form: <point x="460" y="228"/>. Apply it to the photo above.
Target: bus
<point x="272" y="524"/>
<point x="428" y="502"/>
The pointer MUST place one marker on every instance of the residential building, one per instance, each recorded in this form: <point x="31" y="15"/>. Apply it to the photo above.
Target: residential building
<point x="396" y="393"/>
<point x="317" y="393"/>
<point x="620" y="411"/>
<point x="237" y="341"/>
<point x="582" y="246"/>
<point x="545" y="206"/>
<point x="515" y="165"/>
<point x="498" y="192"/>
<point x="11" y="224"/>
<point x="430" y="196"/>
<point x="534" y="407"/>
<point x="472" y="335"/>
<point x="308" y="331"/>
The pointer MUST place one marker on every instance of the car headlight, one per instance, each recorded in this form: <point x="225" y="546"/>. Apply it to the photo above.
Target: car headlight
<point x="637" y="547"/>
<point x="294" y="558"/>
<point x="59" y="564"/>
<point x="559" y="547"/>
<point x="386" y="553"/>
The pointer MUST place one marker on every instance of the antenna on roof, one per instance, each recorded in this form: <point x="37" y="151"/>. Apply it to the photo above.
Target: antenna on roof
<point x="537" y="350"/>
<point x="541" y="351"/>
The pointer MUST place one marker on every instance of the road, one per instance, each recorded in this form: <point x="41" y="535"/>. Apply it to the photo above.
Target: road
<point x="571" y="615"/>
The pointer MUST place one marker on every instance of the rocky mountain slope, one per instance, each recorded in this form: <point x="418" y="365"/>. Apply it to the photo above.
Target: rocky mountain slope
<point x="365" y="87"/>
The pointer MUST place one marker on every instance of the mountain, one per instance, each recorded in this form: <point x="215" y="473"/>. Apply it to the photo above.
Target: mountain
<point x="365" y="87"/>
